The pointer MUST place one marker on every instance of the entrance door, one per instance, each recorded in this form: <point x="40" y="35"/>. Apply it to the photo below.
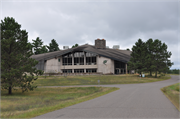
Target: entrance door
<point x="117" y="71"/>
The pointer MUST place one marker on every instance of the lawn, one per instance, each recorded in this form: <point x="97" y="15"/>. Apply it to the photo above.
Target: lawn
<point x="172" y="93"/>
<point x="43" y="100"/>
<point x="93" y="80"/>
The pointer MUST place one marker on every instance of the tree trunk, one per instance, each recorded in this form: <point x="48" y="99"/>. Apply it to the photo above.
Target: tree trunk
<point x="150" y="73"/>
<point x="10" y="90"/>
<point x="156" y="75"/>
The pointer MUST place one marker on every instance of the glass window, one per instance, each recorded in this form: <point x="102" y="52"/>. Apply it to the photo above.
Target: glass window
<point x="67" y="70"/>
<point x="78" y="70"/>
<point x="79" y="58"/>
<point x="67" y="59"/>
<point x="91" y="70"/>
<point x="90" y="59"/>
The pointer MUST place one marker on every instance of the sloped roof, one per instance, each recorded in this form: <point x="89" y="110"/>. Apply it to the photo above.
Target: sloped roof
<point x="115" y="54"/>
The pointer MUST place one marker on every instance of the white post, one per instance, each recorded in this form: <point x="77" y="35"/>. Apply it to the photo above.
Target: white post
<point x="84" y="58"/>
<point x="72" y="58"/>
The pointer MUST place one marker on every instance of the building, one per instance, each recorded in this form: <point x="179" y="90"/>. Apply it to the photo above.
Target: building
<point x="85" y="59"/>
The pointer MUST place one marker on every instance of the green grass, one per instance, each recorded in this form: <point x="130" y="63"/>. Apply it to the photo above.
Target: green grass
<point x="172" y="93"/>
<point x="43" y="100"/>
<point x="93" y="80"/>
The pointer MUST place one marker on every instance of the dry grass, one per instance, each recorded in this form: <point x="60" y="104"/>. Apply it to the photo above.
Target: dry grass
<point x="172" y="93"/>
<point x="43" y="100"/>
<point x="93" y="80"/>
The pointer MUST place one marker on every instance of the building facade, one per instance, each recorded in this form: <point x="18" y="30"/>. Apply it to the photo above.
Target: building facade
<point x="85" y="59"/>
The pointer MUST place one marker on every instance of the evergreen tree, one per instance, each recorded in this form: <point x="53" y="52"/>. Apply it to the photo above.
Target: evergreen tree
<point x="76" y="45"/>
<point x="53" y="46"/>
<point x="160" y="62"/>
<point x="138" y="57"/>
<point x="150" y="58"/>
<point x="44" y="49"/>
<point x="15" y="57"/>
<point x="37" y="45"/>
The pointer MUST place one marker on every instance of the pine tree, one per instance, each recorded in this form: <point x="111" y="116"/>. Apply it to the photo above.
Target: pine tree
<point x="53" y="46"/>
<point x="138" y="57"/>
<point x="37" y="45"/>
<point x="44" y="49"/>
<point x="150" y="57"/>
<point x="17" y="68"/>
<point x="76" y="45"/>
<point x="160" y="62"/>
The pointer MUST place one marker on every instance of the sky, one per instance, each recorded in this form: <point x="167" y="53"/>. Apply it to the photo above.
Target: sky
<point x="119" y="22"/>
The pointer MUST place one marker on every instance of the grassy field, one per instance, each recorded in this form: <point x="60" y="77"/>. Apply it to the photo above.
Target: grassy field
<point x="172" y="93"/>
<point x="43" y="100"/>
<point x="93" y="80"/>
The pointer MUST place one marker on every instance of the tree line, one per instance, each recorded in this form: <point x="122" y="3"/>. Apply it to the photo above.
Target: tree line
<point x="173" y="71"/>
<point x="150" y="56"/>
<point x="38" y="47"/>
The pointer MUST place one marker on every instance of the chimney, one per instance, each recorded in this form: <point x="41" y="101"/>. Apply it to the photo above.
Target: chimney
<point x="100" y="44"/>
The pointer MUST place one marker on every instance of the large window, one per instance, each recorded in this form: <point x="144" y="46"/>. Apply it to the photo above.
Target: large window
<point x="119" y="64"/>
<point x="79" y="58"/>
<point x="67" y="59"/>
<point x="90" y="59"/>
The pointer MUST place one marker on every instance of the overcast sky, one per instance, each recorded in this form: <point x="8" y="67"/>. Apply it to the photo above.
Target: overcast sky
<point x="119" y="22"/>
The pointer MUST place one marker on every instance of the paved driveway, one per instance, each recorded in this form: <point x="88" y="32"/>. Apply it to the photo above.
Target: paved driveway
<point x="131" y="101"/>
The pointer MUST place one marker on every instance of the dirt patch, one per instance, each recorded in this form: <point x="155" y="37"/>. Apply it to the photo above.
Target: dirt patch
<point x="175" y="92"/>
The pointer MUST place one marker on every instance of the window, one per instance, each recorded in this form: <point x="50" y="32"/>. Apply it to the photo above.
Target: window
<point x="78" y="70"/>
<point x="90" y="59"/>
<point x="67" y="70"/>
<point x="79" y="58"/>
<point x="91" y="70"/>
<point x="119" y="64"/>
<point x="67" y="59"/>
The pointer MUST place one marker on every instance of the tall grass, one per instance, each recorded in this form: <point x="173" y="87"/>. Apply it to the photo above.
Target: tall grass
<point x="43" y="100"/>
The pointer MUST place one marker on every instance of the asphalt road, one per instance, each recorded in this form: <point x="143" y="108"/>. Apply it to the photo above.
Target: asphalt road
<point x="131" y="101"/>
